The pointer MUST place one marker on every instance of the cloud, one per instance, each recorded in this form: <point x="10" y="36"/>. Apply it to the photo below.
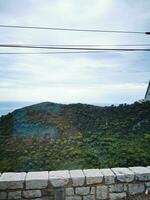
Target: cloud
<point x="94" y="94"/>
<point x="98" y="77"/>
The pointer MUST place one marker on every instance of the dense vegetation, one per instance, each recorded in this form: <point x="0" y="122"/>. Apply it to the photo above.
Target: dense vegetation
<point x="50" y="136"/>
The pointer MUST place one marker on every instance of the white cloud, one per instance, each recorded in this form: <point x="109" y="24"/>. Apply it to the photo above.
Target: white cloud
<point x="110" y="93"/>
<point x="104" y="77"/>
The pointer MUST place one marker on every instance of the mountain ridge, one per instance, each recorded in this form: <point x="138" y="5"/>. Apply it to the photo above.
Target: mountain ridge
<point x="51" y="136"/>
<point x="47" y="116"/>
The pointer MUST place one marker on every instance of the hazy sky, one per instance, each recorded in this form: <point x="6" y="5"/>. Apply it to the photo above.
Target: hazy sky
<point x="106" y="77"/>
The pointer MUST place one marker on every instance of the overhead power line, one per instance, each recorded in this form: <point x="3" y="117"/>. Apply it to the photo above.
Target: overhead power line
<point x="103" y="45"/>
<point x="71" y="48"/>
<point x="74" y="29"/>
<point x="91" y="45"/>
<point x="46" y="53"/>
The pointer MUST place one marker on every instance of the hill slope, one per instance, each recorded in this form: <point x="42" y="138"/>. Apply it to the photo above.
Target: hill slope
<point x="55" y="136"/>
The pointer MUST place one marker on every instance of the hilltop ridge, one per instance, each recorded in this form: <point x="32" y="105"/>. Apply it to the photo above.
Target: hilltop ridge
<point x="50" y="136"/>
<point x="59" y="119"/>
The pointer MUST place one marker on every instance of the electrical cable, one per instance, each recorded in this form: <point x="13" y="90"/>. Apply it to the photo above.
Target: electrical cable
<point x="71" y="48"/>
<point x="74" y="29"/>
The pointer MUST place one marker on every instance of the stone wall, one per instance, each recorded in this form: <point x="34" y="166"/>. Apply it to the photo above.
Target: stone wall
<point x="88" y="184"/>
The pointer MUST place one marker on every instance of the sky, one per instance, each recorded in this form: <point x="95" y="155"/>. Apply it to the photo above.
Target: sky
<point x="106" y="77"/>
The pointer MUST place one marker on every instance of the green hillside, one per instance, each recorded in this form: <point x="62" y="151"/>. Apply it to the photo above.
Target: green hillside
<point x="49" y="136"/>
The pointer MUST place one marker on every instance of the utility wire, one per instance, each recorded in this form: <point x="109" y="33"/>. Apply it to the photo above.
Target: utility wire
<point x="96" y="45"/>
<point x="71" y="48"/>
<point x="73" y="29"/>
<point x="57" y="52"/>
<point x="54" y="52"/>
<point x="86" y="45"/>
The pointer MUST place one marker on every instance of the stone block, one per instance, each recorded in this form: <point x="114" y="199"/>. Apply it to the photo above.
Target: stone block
<point x="59" y="178"/>
<point x="102" y="192"/>
<point x="109" y="176"/>
<point x="82" y="190"/>
<point x="36" y="180"/>
<point x="73" y="198"/>
<point x="92" y="190"/>
<point x="123" y="174"/>
<point x="93" y="176"/>
<point x="89" y="197"/>
<point x="11" y="180"/>
<point x="3" y="195"/>
<point x="77" y="177"/>
<point x="147" y="188"/>
<point x="42" y="198"/>
<point x="48" y="192"/>
<point x="115" y="196"/>
<point x="147" y="184"/>
<point x="14" y="195"/>
<point x="31" y="194"/>
<point x="141" y="173"/>
<point x="117" y="188"/>
<point x="69" y="191"/>
<point x="136" y="188"/>
<point x="59" y="194"/>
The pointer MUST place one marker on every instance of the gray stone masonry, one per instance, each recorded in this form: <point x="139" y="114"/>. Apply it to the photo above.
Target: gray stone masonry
<point x="109" y="176"/>
<point x="147" y="187"/>
<point x="36" y="180"/>
<point x="92" y="190"/>
<point x="31" y="194"/>
<point x="87" y="184"/>
<point x="14" y="195"/>
<point x="77" y="177"/>
<point x="115" y="196"/>
<point x="73" y="198"/>
<point x="118" y="188"/>
<point x="3" y="195"/>
<point x="59" y="178"/>
<point x="69" y="191"/>
<point x="89" y="197"/>
<point x="102" y="192"/>
<point x="141" y="173"/>
<point x="82" y="190"/>
<point x="93" y="176"/>
<point x="123" y="174"/>
<point x="12" y="180"/>
<point x="136" y="188"/>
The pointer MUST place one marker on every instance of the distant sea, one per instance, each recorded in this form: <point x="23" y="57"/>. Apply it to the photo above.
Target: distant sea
<point x="9" y="106"/>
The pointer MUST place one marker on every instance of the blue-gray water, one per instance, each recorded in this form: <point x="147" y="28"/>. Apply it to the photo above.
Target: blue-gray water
<point x="7" y="107"/>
